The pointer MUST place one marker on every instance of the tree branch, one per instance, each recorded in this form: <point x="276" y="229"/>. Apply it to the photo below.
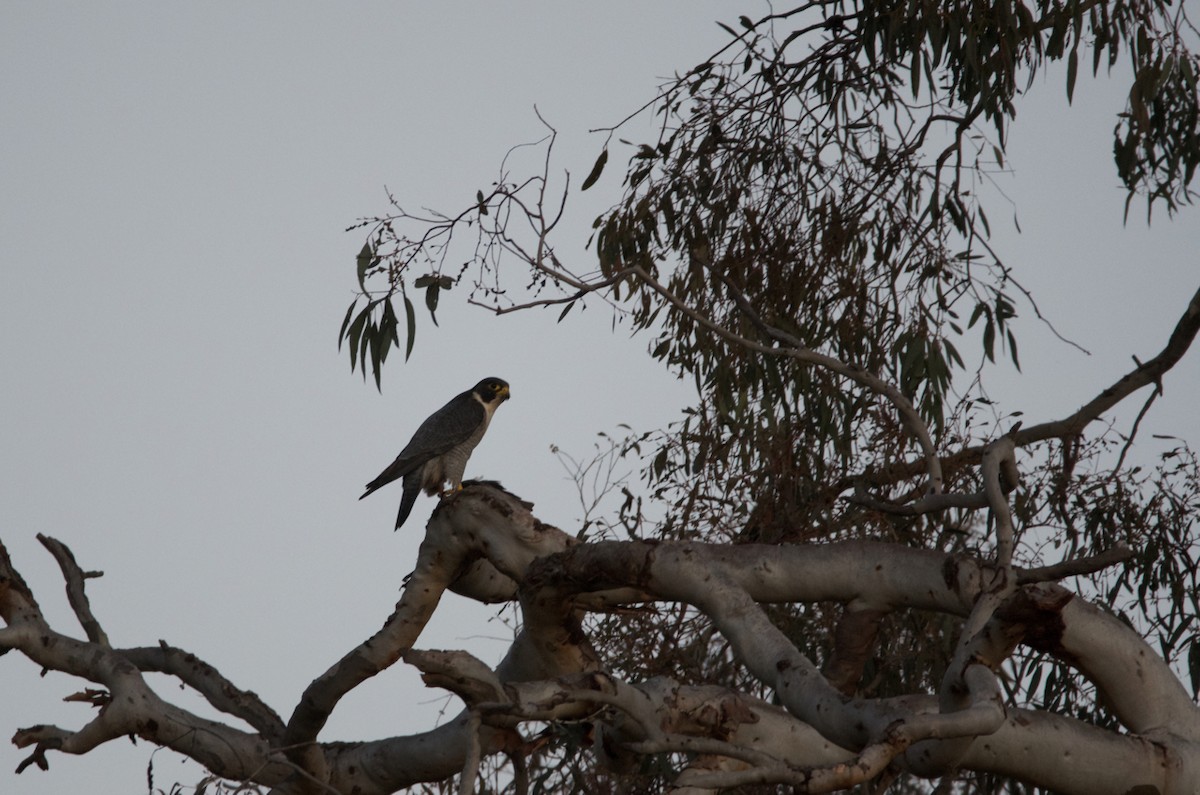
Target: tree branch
<point x="794" y="350"/>
<point x="823" y="738"/>
<point x="208" y="682"/>
<point x="1075" y="567"/>
<point x="1144" y="374"/>
<point x="132" y="707"/>
<point x="76" y="595"/>
<point x="460" y="530"/>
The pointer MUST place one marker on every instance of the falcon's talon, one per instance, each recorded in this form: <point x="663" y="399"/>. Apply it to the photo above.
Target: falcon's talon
<point x="439" y="450"/>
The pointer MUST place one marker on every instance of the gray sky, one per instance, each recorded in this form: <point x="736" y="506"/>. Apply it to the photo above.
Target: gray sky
<point x="173" y="268"/>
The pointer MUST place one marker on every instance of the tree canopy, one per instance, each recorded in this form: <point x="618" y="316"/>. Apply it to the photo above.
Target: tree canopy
<point x="845" y="564"/>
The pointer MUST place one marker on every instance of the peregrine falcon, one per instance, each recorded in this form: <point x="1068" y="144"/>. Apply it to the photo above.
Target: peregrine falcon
<point x="439" y="450"/>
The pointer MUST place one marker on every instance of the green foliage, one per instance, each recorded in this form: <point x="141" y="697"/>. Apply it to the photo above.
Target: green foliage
<point x="371" y="330"/>
<point x="594" y="174"/>
<point x="812" y="196"/>
<point x="814" y="187"/>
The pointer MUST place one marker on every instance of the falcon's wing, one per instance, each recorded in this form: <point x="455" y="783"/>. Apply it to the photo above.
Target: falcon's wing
<point x="446" y="428"/>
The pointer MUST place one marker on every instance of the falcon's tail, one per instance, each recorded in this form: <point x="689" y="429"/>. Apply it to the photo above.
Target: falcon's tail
<point x="377" y="484"/>
<point x="406" y="504"/>
<point x="401" y="467"/>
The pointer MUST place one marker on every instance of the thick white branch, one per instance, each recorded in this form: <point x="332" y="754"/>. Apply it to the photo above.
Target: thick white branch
<point x="727" y="582"/>
<point x="1140" y="688"/>
<point x="823" y="739"/>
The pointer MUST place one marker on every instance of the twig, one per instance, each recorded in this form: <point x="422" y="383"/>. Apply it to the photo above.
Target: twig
<point x="76" y="595"/>
<point x="1074" y="568"/>
<point x="1136" y="424"/>
<point x="930" y="503"/>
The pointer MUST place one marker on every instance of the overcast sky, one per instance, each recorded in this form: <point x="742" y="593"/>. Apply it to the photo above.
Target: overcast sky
<point x="176" y="180"/>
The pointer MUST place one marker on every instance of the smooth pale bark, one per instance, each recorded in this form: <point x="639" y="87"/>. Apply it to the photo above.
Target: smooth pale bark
<point x="819" y="739"/>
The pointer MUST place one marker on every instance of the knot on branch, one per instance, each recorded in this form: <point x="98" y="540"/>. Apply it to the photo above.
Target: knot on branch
<point x="1035" y="613"/>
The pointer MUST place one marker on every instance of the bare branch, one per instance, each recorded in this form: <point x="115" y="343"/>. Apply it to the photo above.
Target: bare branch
<point x="480" y="519"/>
<point x="1137" y="424"/>
<point x="930" y="503"/>
<point x="460" y="673"/>
<point x="856" y="739"/>
<point x="999" y="469"/>
<point x="43" y="738"/>
<point x="1076" y="567"/>
<point x="130" y="707"/>
<point x="208" y="681"/>
<point x="75" y="590"/>
<point x="1145" y="374"/>
<point x="439" y="561"/>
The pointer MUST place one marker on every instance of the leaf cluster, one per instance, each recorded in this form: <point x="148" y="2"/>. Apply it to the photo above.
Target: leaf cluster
<point x="816" y="187"/>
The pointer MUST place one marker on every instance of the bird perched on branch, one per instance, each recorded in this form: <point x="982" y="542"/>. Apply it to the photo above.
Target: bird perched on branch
<point x="439" y="450"/>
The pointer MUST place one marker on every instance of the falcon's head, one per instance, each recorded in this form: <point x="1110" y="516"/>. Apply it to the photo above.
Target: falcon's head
<point x="492" y="391"/>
